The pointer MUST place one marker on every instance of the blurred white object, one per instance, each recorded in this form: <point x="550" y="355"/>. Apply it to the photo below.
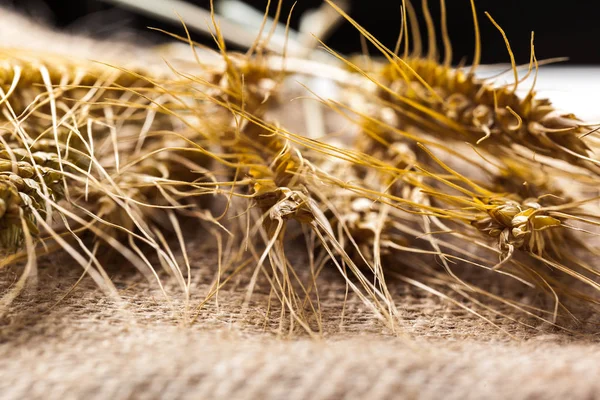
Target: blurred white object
<point x="200" y="19"/>
<point x="572" y="88"/>
<point x="241" y="24"/>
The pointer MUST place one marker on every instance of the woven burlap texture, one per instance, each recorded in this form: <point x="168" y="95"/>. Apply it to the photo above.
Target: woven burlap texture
<point x="87" y="346"/>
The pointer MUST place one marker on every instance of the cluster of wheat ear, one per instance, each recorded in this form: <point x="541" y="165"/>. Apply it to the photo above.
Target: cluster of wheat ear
<point x="441" y="180"/>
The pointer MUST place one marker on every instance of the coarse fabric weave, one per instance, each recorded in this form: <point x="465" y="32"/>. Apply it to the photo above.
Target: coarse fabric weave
<point x="86" y="346"/>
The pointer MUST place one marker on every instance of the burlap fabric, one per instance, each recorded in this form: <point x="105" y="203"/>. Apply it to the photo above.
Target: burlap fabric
<point x="58" y="343"/>
<point x="85" y="345"/>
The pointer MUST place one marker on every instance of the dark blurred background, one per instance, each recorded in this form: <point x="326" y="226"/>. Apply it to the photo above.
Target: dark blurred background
<point x="561" y="28"/>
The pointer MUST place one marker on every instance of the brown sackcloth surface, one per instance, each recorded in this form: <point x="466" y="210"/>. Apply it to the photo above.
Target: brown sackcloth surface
<point x="79" y="344"/>
<point x="85" y="345"/>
